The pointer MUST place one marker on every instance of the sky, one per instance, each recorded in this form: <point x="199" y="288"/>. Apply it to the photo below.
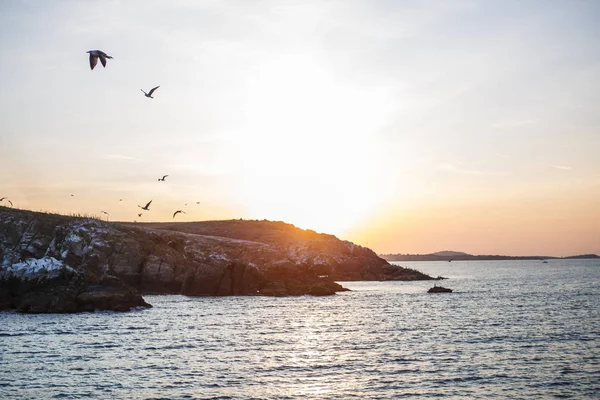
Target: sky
<point x="404" y="126"/>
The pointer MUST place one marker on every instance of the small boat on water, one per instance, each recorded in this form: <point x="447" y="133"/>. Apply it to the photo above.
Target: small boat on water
<point x="439" y="289"/>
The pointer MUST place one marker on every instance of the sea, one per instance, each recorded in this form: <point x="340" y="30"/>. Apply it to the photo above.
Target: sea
<point x="509" y="330"/>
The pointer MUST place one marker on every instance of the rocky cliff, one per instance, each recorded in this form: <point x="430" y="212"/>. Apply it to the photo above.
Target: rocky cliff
<point x="55" y="263"/>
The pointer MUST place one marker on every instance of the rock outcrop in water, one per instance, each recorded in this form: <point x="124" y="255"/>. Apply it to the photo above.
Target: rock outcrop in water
<point x="55" y="263"/>
<point x="439" y="289"/>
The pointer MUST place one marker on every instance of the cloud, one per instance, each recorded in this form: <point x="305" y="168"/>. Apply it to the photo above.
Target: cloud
<point x="448" y="167"/>
<point x="119" y="157"/>
<point x="458" y="170"/>
<point x="512" y="124"/>
<point x="563" y="167"/>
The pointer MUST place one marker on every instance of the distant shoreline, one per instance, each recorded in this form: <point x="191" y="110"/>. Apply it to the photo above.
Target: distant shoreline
<point x="469" y="257"/>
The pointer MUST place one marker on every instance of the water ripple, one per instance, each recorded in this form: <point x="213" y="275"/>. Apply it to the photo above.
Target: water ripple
<point x="512" y="330"/>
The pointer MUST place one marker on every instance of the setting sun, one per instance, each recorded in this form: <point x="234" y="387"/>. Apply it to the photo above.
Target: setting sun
<point x="307" y="155"/>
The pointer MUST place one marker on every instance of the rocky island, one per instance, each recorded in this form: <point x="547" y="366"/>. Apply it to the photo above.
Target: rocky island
<point x="56" y="263"/>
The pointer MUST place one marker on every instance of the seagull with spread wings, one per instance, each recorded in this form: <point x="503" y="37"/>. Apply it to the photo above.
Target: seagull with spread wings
<point x="163" y="178"/>
<point x="146" y="207"/>
<point x="97" y="54"/>
<point x="4" y="198"/>
<point x="149" y="94"/>
<point x="177" y="212"/>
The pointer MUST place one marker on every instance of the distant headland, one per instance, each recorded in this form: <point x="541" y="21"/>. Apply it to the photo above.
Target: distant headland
<point x="460" y="256"/>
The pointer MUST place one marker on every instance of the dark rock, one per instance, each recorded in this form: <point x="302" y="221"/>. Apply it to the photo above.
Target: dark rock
<point x="59" y="299"/>
<point x="324" y="289"/>
<point x="439" y="289"/>
<point x="109" y="298"/>
<point x="274" y="289"/>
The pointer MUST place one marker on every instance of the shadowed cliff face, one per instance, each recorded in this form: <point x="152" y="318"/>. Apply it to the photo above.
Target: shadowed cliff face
<point x="54" y="263"/>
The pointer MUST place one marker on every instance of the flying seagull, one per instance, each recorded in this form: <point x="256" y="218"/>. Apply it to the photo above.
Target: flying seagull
<point x="149" y="94"/>
<point x="177" y="212"/>
<point x="95" y="54"/>
<point x="146" y="207"/>
<point x="197" y="202"/>
<point x="10" y="202"/>
<point x="163" y="178"/>
<point x="104" y="212"/>
<point x="140" y="214"/>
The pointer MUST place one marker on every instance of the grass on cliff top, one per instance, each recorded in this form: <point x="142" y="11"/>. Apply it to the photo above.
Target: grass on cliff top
<point x="50" y="213"/>
<point x="263" y="231"/>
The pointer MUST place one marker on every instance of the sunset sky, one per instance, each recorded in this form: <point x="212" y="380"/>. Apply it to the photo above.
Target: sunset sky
<point x="405" y="126"/>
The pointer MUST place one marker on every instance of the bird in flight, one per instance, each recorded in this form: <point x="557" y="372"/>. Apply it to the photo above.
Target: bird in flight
<point x="140" y="214"/>
<point x="4" y="198"/>
<point x="149" y="94"/>
<point x="98" y="54"/>
<point x="120" y="199"/>
<point x="197" y="202"/>
<point x="177" y="212"/>
<point x="163" y="178"/>
<point x="146" y="207"/>
<point x="72" y="195"/>
<point x="104" y="212"/>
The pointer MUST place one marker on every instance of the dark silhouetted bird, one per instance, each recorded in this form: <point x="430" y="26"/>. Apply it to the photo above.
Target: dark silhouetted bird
<point x="140" y="214"/>
<point x="98" y="54"/>
<point x="177" y="212"/>
<point x="149" y="94"/>
<point x="163" y="178"/>
<point x="146" y="207"/>
<point x="9" y="202"/>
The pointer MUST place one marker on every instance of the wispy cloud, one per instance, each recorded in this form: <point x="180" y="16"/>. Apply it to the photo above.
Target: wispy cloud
<point x="448" y="167"/>
<point x="460" y="170"/>
<point x="563" y="167"/>
<point x="512" y="124"/>
<point x="118" y="157"/>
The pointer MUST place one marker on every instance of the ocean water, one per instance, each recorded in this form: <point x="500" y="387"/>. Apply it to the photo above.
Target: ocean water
<point x="511" y="329"/>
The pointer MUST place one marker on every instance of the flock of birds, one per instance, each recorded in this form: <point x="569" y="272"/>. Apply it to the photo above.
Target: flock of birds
<point x="146" y="207"/>
<point x="96" y="55"/>
<point x="99" y="54"/>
